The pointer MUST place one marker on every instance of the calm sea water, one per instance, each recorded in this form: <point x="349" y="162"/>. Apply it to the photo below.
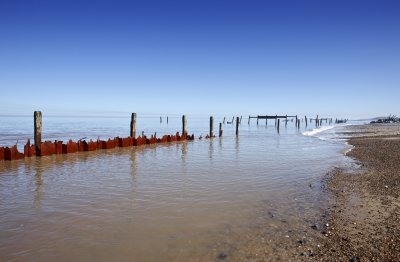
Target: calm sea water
<point x="178" y="201"/>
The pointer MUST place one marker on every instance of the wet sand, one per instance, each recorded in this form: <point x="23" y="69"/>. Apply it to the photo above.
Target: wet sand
<point x="364" y="211"/>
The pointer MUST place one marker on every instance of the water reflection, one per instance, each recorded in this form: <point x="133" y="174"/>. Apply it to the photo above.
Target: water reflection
<point x="38" y="167"/>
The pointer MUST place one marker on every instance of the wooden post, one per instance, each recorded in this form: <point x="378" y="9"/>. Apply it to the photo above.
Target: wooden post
<point x="37" y="116"/>
<point x="237" y="125"/>
<point x="257" y="120"/>
<point x="240" y="119"/>
<point x="298" y="124"/>
<point x="233" y="118"/>
<point x="184" y="131"/>
<point x="211" y="126"/>
<point x="305" y="119"/>
<point x="285" y="120"/>
<point x="279" y="121"/>
<point x="224" y="120"/>
<point x="160" y="119"/>
<point x="167" y="119"/>
<point x="296" y="121"/>
<point x="248" y="122"/>
<point x="220" y="129"/>
<point x="133" y="125"/>
<point x="266" y="120"/>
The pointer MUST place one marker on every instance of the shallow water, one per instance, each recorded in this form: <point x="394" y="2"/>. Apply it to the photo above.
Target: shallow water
<point x="179" y="201"/>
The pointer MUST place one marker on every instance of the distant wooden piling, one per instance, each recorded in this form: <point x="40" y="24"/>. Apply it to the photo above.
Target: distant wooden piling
<point x="305" y="120"/>
<point x="37" y="116"/>
<point x="279" y="122"/>
<point x="133" y="125"/>
<point x="237" y="125"/>
<point x="296" y="119"/>
<point x="220" y="129"/>
<point x="184" y="131"/>
<point x="248" y="122"/>
<point x="240" y="119"/>
<point x="286" y="120"/>
<point x="224" y="120"/>
<point x="160" y="119"/>
<point x="257" y="120"/>
<point x="167" y="119"/>
<point x="211" y="126"/>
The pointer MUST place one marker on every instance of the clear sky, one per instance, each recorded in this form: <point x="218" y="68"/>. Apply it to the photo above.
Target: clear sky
<point x="332" y="57"/>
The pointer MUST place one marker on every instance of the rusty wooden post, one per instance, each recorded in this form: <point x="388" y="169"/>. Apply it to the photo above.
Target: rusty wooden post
<point x="184" y="131"/>
<point x="37" y="116"/>
<point x="211" y="126"/>
<point x="133" y="125"/>
<point x="220" y="129"/>
<point x="237" y="125"/>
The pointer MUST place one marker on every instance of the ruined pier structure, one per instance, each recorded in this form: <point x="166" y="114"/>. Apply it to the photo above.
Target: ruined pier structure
<point x="46" y="148"/>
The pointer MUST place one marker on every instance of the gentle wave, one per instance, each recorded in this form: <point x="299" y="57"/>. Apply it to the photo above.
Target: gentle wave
<point x="315" y="131"/>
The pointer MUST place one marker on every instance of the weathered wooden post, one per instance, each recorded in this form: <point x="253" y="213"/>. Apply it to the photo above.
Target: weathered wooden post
<point x="248" y="122"/>
<point x="224" y="120"/>
<point x="286" y="121"/>
<point x="257" y="120"/>
<point x="167" y="119"/>
<point x="240" y="119"/>
<point x="184" y="131"/>
<point x="211" y="126"/>
<point x="298" y="124"/>
<point x="279" y="121"/>
<point x="305" y="120"/>
<point x="237" y="125"/>
<point x="220" y="129"/>
<point x="37" y="116"/>
<point x="133" y="125"/>
<point x="160" y="119"/>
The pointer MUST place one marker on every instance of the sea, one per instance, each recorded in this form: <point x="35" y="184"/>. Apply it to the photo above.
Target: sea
<point x="201" y="200"/>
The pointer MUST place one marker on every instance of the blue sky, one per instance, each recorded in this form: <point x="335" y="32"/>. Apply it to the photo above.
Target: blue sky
<point x="331" y="57"/>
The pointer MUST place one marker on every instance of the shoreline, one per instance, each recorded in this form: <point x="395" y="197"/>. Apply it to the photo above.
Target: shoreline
<point x="364" y="206"/>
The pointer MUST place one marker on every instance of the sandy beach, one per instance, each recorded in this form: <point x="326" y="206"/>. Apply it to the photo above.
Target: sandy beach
<point x="364" y="211"/>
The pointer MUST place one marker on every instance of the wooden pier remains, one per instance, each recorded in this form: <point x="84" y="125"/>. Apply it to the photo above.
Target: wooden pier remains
<point x="40" y="148"/>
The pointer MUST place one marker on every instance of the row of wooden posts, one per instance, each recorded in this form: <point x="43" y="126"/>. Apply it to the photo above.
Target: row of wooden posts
<point x="131" y="140"/>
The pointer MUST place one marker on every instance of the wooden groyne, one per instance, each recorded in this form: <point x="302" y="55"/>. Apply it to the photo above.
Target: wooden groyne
<point x="47" y="148"/>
